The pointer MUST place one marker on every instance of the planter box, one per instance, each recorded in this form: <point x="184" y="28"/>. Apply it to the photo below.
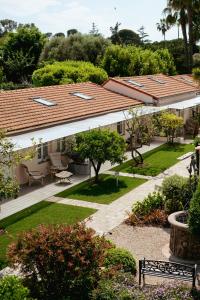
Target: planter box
<point x="80" y="169"/>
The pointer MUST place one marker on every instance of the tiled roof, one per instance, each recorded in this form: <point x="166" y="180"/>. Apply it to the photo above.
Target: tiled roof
<point x="157" y="86"/>
<point x="187" y="78"/>
<point x="19" y="112"/>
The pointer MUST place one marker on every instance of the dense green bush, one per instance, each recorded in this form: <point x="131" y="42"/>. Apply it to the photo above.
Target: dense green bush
<point x="60" y="261"/>
<point x="122" y="259"/>
<point x="178" y="192"/>
<point x="84" y="47"/>
<point x="11" y="288"/>
<point x="131" y="60"/>
<point x="150" y="203"/>
<point x="194" y="213"/>
<point x="68" y="72"/>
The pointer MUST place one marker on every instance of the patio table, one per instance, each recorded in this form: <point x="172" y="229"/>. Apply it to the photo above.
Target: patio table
<point x="64" y="176"/>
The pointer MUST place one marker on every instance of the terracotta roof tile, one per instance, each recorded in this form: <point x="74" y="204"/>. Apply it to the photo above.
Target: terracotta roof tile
<point x="187" y="79"/>
<point x="19" y="112"/>
<point x="157" y="86"/>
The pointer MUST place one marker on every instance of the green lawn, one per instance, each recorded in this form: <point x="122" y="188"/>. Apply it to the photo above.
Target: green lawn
<point x="156" y="160"/>
<point x="41" y="213"/>
<point x="104" y="192"/>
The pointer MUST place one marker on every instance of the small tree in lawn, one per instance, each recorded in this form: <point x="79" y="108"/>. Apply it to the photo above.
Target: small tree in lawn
<point x="100" y="145"/>
<point x="8" y="160"/>
<point x="170" y="124"/>
<point x="141" y="130"/>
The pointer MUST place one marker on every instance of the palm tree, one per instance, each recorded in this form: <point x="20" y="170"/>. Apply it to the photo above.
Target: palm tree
<point x="187" y="10"/>
<point x="163" y="27"/>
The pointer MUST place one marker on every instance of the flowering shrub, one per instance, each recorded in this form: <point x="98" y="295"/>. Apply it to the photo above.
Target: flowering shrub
<point x="60" y="261"/>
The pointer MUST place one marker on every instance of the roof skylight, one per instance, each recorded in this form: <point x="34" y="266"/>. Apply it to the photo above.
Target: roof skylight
<point x="156" y="80"/>
<point x="44" y="101"/>
<point x="81" y="95"/>
<point x="186" y="79"/>
<point x="134" y="82"/>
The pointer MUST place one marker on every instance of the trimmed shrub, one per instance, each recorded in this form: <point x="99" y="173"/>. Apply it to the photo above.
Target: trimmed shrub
<point x="177" y="192"/>
<point x="194" y="213"/>
<point x="68" y="72"/>
<point x="150" y="203"/>
<point x="121" y="259"/>
<point x="60" y="261"/>
<point x="11" y="288"/>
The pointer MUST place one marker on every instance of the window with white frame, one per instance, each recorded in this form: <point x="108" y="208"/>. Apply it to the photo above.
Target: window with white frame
<point x="42" y="152"/>
<point x="120" y="127"/>
<point x="61" y="145"/>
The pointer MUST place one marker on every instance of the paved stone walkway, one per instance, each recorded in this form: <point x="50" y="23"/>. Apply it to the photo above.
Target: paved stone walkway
<point x="104" y="220"/>
<point x="77" y="202"/>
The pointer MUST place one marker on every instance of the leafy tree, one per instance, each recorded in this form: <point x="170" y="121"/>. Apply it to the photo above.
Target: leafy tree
<point x="115" y="39"/>
<point x="130" y="60"/>
<point x="68" y="72"/>
<point x="196" y="60"/>
<point x="60" y="262"/>
<point x="9" y="160"/>
<point x="194" y="213"/>
<point x="100" y="146"/>
<point x="78" y="46"/>
<point x="163" y="27"/>
<point x="129" y="37"/>
<point x="6" y="26"/>
<point x="143" y="35"/>
<point x="20" y="53"/>
<point x="94" y="31"/>
<point x="59" y="34"/>
<point x="176" y="49"/>
<point x="48" y="35"/>
<point x="196" y="75"/>
<point x="72" y="31"/>
<point x="141" y="131"/>
<point x="170" y="124"/>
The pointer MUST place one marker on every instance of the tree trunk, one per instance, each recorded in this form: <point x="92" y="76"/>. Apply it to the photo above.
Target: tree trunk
<point x="96" y="169"/>
<point x="185" y="39"/>
<point x="191" y="37"/>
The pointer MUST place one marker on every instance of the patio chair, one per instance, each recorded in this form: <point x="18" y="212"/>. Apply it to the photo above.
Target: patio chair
<point x="34" y="175"/>
<point x="56" y="162"/>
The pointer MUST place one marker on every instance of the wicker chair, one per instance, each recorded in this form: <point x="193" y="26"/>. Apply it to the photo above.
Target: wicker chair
<point x="34" y="175"/>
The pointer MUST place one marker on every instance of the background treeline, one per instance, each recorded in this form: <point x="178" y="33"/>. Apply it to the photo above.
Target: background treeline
<point x="29" y="57"/>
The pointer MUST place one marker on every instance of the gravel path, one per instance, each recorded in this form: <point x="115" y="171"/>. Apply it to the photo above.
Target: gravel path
<point x="141" y="241"/>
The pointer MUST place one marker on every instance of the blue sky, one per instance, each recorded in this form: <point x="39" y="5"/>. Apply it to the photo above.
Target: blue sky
<point x="61" y="15"/>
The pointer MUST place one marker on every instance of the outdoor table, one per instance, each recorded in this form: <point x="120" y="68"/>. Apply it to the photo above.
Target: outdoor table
<point x="64" y="176"/>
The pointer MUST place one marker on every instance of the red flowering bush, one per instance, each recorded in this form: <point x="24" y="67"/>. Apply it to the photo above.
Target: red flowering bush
<point x="60" y="261"/>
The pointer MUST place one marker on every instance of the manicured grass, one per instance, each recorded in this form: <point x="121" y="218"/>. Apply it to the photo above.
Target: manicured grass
<point x="104" y="192"/>
<point x="156" y="160"/>
<point x="41" y="213"/>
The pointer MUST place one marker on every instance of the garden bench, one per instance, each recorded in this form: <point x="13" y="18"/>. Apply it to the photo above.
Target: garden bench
<point x="167" y="269"/>
<point x="185" y="156"/>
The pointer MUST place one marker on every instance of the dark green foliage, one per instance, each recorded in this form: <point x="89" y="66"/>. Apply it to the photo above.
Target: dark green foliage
<point x="176" y="49"/>
<point x="150" y="203"/>
<point x="13" y="86"/>
<point x="62" y="261"/>
<point x="84" y="47"/>
<point x="11" y="288"/>
<point x="194" y="213"/>
<point x="121" y="259"/>
<point x="20" y="53"/>
<point x="101" y="145"/>
<point x="178" y="192"/>
<point x="131" y="60"/>
<point x="128" y="37"/>
<point x="68" y="72"/>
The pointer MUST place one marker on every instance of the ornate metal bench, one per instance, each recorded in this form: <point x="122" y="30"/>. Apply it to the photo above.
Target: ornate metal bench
<point x="167" y="269"/>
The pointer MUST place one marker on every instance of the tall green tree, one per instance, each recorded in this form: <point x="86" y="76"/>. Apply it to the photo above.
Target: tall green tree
<point x="86" y="47"/>
<point x="21" y="52"/>
<point x="163" y="27"/>
<point x="100" y="146"/>
<point x="6" y="26"/>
